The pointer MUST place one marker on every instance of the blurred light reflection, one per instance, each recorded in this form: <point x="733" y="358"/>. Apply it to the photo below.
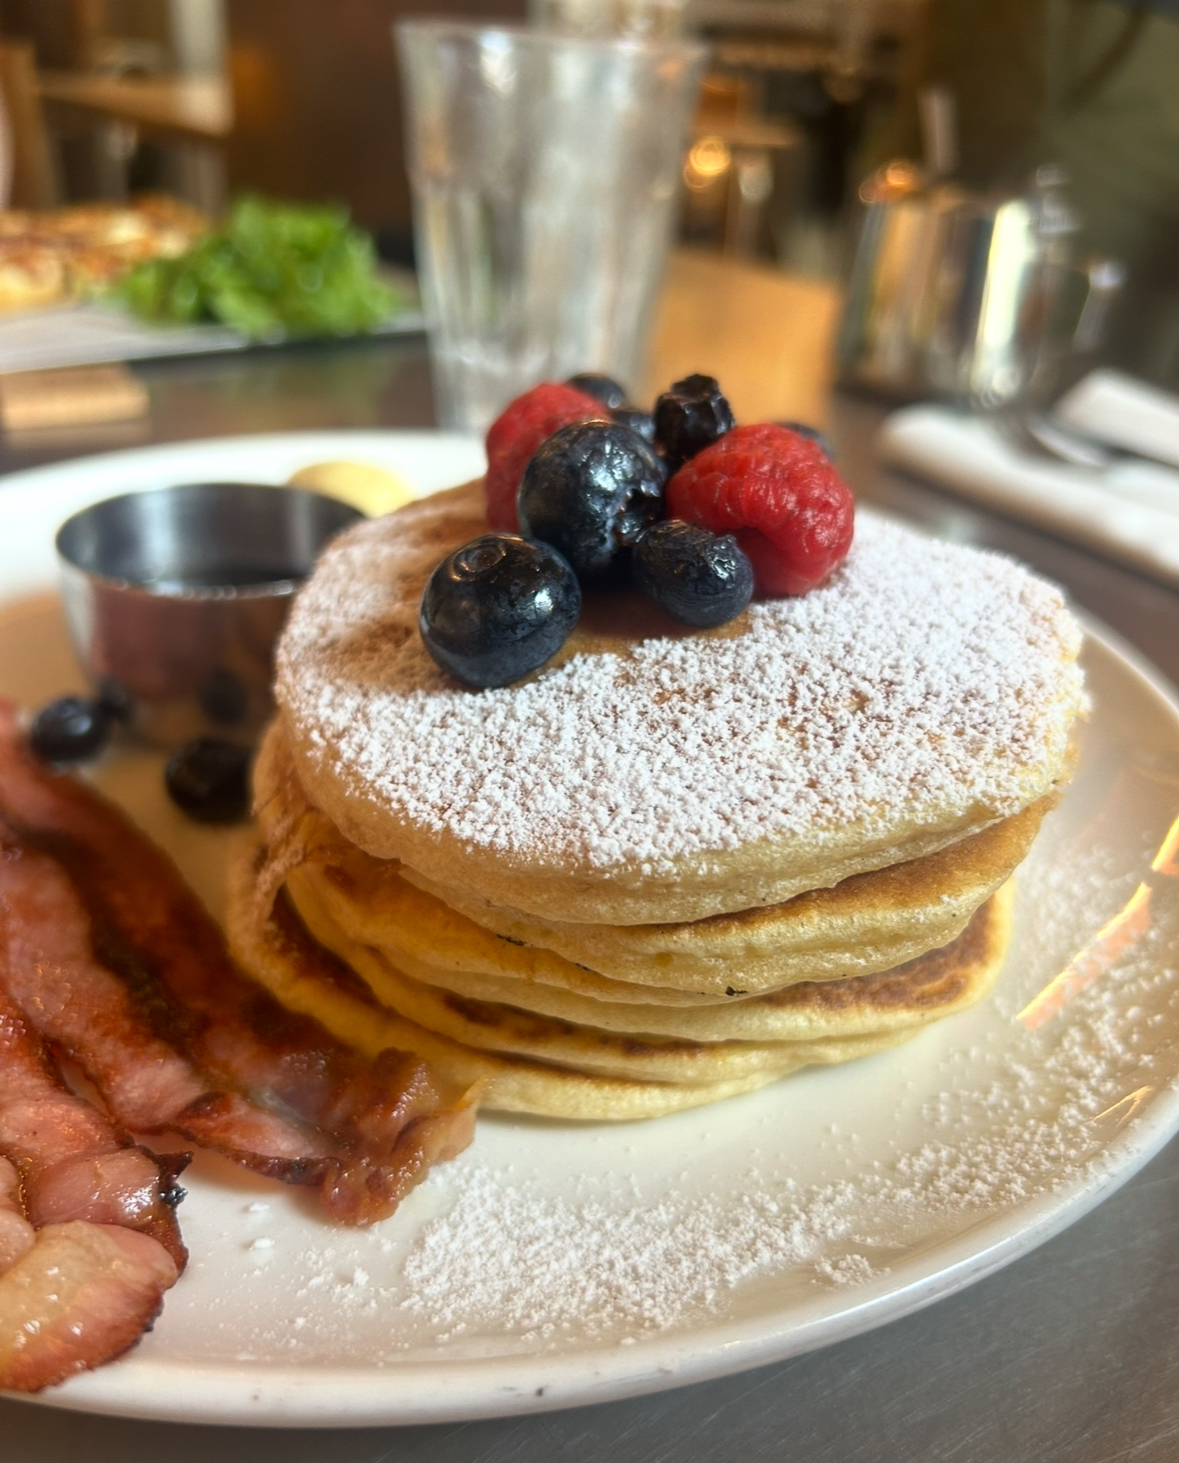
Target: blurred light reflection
<point x="1112" y="940"/>
<point x="1125" y="1107"/>
<point x="1108" y="945"/>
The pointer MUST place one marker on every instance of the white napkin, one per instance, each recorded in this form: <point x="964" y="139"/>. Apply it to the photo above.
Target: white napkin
<point x="1128" y="510"/>
<point x="1124" y="413"/>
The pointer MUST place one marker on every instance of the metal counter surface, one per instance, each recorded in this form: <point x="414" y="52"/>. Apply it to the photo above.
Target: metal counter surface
<point x="1067" y="1356"/>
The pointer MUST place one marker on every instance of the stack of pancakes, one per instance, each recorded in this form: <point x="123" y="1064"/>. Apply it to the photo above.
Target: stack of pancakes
<point x="672" y="865"/>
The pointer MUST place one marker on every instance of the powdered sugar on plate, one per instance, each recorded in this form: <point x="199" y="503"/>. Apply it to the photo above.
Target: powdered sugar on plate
<point x="546" y="1240"/>
<point x="589" y="1261"/>
<point x="1012" y="1115"/>
<point x="841" y="1181"/>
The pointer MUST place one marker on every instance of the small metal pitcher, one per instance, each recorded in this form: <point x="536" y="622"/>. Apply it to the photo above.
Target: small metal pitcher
<point x="974" y="297"/>
<point x="175" y="598"/>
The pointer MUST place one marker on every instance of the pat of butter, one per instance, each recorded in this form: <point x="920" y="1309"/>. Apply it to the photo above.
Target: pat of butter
<point x="374" y="490"/>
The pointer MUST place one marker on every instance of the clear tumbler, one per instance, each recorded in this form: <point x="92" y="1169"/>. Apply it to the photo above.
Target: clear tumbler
<point x="546" y="171"/>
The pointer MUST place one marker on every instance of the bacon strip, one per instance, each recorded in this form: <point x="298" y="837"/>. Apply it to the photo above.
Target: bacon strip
<point x="79" y="1296"/>
<point x="71" y="1161"/>
<point x="78" y="1293"/>
<point x="87" y="1012"/>
<point x="386" y="1120"/>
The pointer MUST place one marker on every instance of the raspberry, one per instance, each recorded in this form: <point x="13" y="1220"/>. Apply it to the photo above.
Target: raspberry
<point x="778" y="493"/>
<point x="516" y="434"/>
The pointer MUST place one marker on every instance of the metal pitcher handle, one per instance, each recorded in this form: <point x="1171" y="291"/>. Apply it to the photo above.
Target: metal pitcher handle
<point x="1105" y="279"/>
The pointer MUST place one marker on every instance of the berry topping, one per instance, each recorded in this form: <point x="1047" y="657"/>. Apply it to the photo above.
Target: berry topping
<point x="791" y="512"/>
<point x="603" y="388"/>
<point x="498" y="608"/>
<point x="590" y="491"/>
<point x="70" y="729"/>
<point x="209" y="779"/>
<point x="689" y="416"/>
<point x="516" y="434"/>
<point x="695" y="576"/>
<point x="637" y="420"/>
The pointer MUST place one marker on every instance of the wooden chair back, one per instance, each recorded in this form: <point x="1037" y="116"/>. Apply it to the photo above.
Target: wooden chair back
<point x="34" y="179"/>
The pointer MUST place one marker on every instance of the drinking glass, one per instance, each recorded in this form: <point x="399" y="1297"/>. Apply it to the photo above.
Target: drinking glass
<point x="546" y="172"/>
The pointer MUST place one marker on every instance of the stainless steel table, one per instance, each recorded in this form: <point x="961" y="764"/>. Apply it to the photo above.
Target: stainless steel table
<point x="1071" y="1355"/>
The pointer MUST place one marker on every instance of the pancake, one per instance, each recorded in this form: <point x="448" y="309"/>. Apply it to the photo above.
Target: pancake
<point x="870" y="922"/>
<point x="282" y="957"/>
<point x="671" y="865"/>
<point x="935" y="984"/>
<point x="923" y="694"/>
<point x="560" y="1069"/>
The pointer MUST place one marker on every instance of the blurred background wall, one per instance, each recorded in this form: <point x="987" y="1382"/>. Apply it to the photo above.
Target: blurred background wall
<point x="316" y="103"/>
<point x="1090" y="85"/>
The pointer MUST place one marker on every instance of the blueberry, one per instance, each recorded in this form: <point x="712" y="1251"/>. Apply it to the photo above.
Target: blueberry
<point x="690" y="415"/>
<point x="209" y="779"/>
<point x="694" y="575"/>
<point x="821" y="440"/>
<point x="590" y="491"/>
<point x="604" y="388"/>
<point x="498" y="608"/>
<point x="637" y="420"/>
<point x="70" y="729"/>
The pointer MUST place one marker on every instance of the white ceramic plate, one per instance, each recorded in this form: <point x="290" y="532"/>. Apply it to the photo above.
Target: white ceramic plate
<point x="554" y="1264"/>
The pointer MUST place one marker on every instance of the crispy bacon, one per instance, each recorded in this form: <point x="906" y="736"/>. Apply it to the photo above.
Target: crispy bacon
<point x="87" y="1012"/>
<point x="81" y="1287"/>
<point x="88" y="1237"/>
<point x="386" y="1121"/>
<point x="72" y="1162"/>
<point x="77" y="1297"/>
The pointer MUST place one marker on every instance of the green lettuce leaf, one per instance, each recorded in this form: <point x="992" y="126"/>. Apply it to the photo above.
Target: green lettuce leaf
<point x="274" y="269"/>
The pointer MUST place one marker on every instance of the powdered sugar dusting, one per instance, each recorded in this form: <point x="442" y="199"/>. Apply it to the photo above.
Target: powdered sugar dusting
<point x="922" y="675"/>
<point x="995" y="1135"/>
<point x="821" y="1194"/>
